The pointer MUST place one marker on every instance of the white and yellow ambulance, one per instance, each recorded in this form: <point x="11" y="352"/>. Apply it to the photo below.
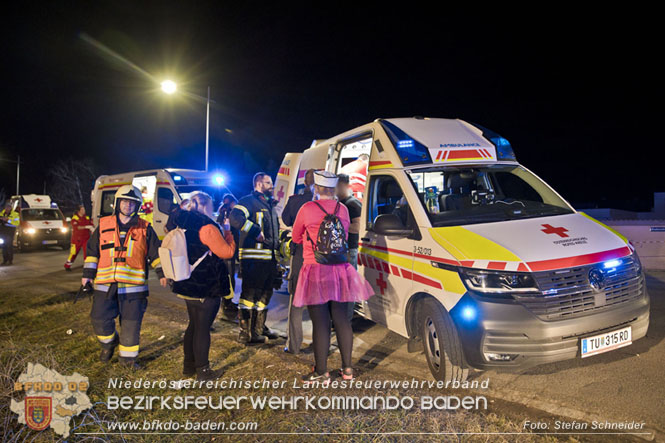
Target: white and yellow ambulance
<point x="476" y="257"/>
<point x="162" y="189"/>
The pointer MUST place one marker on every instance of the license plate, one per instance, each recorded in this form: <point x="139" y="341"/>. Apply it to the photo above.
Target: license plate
<point x="605" y="342"/>
<point x="50" y="242"/>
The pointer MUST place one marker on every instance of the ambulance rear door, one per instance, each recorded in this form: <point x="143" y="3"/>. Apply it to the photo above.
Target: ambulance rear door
<point x="287" y="179"/>
<point x="165" y="200"/>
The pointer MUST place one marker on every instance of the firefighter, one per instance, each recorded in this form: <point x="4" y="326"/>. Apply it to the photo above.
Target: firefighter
<point x="255" y="219"/>
<point x="118" y="254"/>
<point x="81" y="228"/>
<point x="9" y="220"/>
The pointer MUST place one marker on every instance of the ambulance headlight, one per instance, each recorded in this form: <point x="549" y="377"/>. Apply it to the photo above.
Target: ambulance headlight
<point x="30" y="231"/>
<point x="64" y="229"/>
<point x="495" y="282"/>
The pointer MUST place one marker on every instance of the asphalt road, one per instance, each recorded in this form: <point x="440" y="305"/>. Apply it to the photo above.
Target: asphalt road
<point x="627" y="384"/>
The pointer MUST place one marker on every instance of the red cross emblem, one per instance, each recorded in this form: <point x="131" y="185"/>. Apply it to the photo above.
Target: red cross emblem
<point x="38" y="200"/>
<point x="381" y="283"/>
<point x="280" y="193"/>
<point x="549" y="229"/>
<point x="47" y="223"/>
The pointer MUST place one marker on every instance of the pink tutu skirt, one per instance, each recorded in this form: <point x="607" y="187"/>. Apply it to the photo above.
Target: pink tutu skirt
<point x="318" y="284"/>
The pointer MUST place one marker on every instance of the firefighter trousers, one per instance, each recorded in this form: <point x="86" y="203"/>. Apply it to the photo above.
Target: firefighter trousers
<point x="258" y="277"/>
<point x="129" y="309"/>
<point x="74" y="250"/>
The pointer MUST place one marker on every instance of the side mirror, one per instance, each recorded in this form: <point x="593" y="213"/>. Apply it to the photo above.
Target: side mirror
<point x="390" y="224"/>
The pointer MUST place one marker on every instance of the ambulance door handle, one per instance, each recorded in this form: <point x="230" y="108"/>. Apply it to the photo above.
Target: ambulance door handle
<point x="365" y="239"/>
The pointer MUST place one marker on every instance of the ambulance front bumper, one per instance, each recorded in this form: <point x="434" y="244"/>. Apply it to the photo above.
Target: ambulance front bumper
<point x="506" y="335"/>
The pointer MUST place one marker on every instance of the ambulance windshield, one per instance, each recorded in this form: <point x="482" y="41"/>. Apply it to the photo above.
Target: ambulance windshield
<point x="484" y="194"/>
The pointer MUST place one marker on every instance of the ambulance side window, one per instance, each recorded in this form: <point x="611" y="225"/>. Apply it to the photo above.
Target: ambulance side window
<point x="386" y="197"/>
<point x="106" y="208"/>
<point x="165" y="200"/>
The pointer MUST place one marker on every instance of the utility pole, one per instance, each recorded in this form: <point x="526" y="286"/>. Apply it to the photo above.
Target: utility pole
<point x="18" y="173"/>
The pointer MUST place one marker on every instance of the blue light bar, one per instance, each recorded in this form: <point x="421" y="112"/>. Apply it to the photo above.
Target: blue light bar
<point x="219" y="180"/>
<point x="611" y="264"/>
<point x="177" y="178"/>
<point x="405" y="144"/>
<point x="410" y="151"/>
<point x="504" y="151"/>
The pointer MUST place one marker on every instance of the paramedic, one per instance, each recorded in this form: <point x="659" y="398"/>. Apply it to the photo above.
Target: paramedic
<point x="81" y="228"/>
<point x="255" y="220"/>
<point x="118" y="254"/>
<point x="201" y="291"/>
<point x="326" y="289"/>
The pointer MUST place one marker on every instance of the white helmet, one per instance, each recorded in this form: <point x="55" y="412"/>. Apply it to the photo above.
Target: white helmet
<point x="128" y="192"/>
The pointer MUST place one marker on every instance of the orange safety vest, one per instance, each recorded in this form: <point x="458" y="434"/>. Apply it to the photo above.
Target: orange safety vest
<point x="122" y="263"/>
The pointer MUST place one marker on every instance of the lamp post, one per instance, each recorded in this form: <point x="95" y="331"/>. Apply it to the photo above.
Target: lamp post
<point x="170" y="87"/>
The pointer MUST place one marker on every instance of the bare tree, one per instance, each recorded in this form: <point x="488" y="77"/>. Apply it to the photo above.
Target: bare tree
<point x="71" y="180"/>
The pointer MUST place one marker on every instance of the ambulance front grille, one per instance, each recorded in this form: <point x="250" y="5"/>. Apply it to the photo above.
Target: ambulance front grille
<point x="567" y="293"/>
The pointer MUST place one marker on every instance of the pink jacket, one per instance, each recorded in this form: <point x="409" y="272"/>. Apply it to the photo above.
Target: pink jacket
<point x="309" y="218"/>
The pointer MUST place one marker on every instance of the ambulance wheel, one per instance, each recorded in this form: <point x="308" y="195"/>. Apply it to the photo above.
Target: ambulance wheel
<point x="441" y="343"/>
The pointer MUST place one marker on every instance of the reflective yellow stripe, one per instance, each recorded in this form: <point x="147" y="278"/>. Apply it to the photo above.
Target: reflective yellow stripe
<point x="247" y="226"/>
<point x="243" y="209"/>
<point x="130" y="247"/>
<point x="615" y="232"/>
<point x="106" y="337"/>
<point x="90" y="259"/>
<point x="255" y="251"/>
<point x="247" y="303"/>
<point x="466" y="245"/>
<point x="156" y="262"/>
<point x="128" y="348"/>
<point x="260" y="305"/>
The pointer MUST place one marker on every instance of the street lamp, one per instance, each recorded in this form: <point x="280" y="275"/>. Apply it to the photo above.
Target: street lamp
<point x="170" y="87"/>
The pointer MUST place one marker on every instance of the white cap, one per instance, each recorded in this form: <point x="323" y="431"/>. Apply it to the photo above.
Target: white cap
<point x="325" y="179"/>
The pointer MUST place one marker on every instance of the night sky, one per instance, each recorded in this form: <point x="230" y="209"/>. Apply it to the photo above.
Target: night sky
<point x="578" y="93"/>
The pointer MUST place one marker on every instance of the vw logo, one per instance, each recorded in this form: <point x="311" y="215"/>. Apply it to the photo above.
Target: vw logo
<point x="596" y="279"/>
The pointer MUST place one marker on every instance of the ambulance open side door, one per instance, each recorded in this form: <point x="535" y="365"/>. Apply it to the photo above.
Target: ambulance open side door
<point x="287" y="178"/>
<point x="386" y="261"/>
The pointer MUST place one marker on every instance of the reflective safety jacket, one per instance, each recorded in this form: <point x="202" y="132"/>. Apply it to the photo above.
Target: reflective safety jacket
<point x="255" y="214"/>
<point x="12" y="218"/>
<point x="120" y="254"/>
<point x="80" y="232"/>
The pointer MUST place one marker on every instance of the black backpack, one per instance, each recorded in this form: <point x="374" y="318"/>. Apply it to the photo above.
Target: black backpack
<point x="330" y="247"/>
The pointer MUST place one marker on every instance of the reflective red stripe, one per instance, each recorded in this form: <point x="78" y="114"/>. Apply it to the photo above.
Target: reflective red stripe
<point x="580" y="260"/>
<point x="395" y="270"/>
<point x="385" y="267"/>
<point x="498" y="265"/>
<point x="427" y="281"/>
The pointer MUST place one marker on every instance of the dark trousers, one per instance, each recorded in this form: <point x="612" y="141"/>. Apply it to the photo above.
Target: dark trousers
<point x="257" y="280"/>
<point x="129" y="309"/>
<point x="320" y="315"/>
<point x="294" y="327"/>
<point x="197" y="335"/>
<point x="7" y="235"/>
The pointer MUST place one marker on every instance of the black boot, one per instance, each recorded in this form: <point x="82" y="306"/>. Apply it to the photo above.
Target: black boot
<point x="129" y="363"/>
<point x="206" y="373"/>
<point x="107" y="350"/>
<point x="229" y="310"/>
<point x="257" y="327"/>
<point x="245" y="322"/>
<point x="261" y="322"/>
<point x="188" y="369"/>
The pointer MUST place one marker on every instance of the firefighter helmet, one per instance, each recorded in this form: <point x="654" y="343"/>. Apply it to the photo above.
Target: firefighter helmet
<point x="128" y="192"/>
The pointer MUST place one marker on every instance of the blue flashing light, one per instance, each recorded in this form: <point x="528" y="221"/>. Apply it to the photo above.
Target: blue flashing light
<point x="504" y="151"/>
<point x="611" y="264"/>
<point x="468" y="313"/>
<point x="219" y="180"/>
<point x="177" y="178"/>
<point x="410" y="151"/>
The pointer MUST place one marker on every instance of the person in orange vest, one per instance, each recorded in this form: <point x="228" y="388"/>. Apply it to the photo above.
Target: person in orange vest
<point x="119" y="253"/>
<point x="81" y="228"/>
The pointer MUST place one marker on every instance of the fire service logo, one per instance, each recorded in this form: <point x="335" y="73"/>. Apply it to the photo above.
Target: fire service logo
<point x="38" y="412"/>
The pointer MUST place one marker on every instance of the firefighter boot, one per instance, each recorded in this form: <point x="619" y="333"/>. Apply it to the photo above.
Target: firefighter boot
<point x="129" y="363"/>
<point x="261" y="322"/>
<point x="107" y="350"/>
<point x="245" y="322"/>
<point x="258" y="322"/>
<point x="229" y="310"/>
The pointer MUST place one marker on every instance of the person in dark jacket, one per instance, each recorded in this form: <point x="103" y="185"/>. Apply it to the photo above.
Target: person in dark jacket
<point x="201" y="291"/>
<point x="293" y="205"/>
<point x="255" y="219"/>
<point x="229" y="309"/>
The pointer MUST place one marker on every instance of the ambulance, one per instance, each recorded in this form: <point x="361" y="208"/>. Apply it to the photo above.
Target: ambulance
<point x="162" y="190"/>
<point x="41" y="223"/>
<point x="472" y="257"/>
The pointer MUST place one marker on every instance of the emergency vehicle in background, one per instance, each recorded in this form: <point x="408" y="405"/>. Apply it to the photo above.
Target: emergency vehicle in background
<point x="162" y="189"/>
<point x="473" y="255"/>
<point x="41" y="222"/>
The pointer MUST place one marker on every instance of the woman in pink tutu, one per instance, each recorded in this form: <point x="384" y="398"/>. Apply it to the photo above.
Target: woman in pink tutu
<point x="327" y="289"/>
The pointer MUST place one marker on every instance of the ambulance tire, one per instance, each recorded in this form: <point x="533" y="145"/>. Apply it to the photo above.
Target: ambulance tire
<point x="441" y="343"/>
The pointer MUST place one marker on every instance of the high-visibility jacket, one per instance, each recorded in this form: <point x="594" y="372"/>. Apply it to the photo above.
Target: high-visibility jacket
<point x="12" y="217"/>
<point x="108" y="261"/>
<point x="80" y="232"/>
<point x="255" y="214"/>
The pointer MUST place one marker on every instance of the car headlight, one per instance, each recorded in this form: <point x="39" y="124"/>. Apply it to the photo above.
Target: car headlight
<point x="64" y="230"/>
<point x="495" y="282"/>
<point x="30" y="231"/>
